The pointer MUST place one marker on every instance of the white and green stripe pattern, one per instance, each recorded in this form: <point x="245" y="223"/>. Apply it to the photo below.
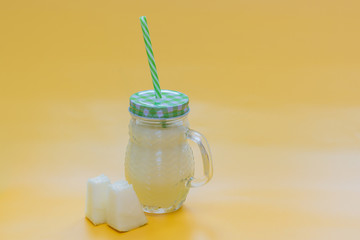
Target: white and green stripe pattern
<point x="173" y="104"/>
<point x="150" y="55"/>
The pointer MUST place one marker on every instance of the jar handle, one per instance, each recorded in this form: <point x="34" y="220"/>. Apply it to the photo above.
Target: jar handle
<point x="201" y="141"/>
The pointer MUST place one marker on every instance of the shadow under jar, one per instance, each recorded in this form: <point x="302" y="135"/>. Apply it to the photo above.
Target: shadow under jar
<point x="159" y="162"/>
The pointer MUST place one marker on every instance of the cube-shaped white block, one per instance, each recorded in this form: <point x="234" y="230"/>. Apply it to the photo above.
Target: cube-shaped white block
<point x="124" y="211"/>
<point x="96" y="199"/>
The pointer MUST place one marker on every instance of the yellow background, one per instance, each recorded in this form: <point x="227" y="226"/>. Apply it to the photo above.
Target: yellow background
<point x="273" y="85"/>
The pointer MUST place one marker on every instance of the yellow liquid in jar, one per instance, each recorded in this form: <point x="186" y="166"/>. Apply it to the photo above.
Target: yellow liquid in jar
<point x="159" y="163"/>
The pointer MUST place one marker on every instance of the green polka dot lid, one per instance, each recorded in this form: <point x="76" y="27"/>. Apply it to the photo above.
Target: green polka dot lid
<point x="172" y="104"/>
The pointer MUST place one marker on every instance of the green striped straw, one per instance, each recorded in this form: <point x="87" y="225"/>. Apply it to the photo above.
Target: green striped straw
<point x="150" y="55"/>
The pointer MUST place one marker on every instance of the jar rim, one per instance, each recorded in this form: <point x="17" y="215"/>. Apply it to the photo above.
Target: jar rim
<point x="159" y="119"/>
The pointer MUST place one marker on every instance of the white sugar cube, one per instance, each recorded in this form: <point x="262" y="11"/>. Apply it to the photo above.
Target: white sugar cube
<point x="124" y="211"/>
<point x="96" y="199"/>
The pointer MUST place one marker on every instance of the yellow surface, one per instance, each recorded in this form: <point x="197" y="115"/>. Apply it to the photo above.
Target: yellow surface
<point x="281" y="76"/>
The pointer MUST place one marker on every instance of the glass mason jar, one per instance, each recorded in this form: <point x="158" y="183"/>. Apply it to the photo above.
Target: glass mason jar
<point x="159" y="162"/>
